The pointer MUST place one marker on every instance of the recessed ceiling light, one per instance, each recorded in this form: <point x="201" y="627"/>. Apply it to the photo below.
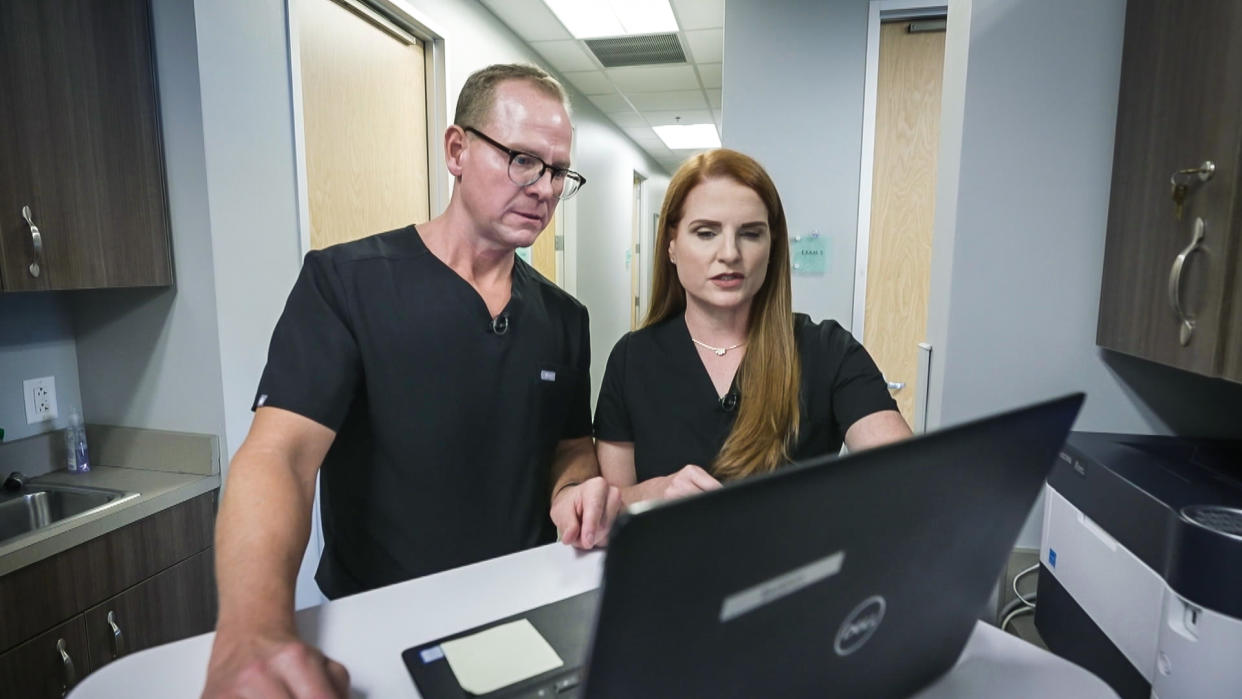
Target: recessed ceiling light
<point x="689" y="136"/>
<point x="591" y="19"/>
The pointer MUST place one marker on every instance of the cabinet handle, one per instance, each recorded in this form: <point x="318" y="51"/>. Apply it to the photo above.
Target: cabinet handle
<point x="71" y="676"/>
<point x="118" y="640"/>
<point x="1186" y="323"/>
<point x="36" y="240"/>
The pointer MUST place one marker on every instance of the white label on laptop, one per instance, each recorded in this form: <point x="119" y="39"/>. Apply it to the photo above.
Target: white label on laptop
<point x="773" y="589"/>
<point x="500" y="656"/>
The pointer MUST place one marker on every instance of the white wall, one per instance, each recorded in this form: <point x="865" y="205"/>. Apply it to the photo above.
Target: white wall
<point x="1028" y="114"/>
<point x="793" y="100"/>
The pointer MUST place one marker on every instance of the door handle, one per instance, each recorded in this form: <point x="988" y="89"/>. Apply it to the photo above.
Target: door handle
<point x="36" y="240"/>
<point x="895" y="386"/>
<point x="118" y="640"/>
<point x="1186" y="323"/>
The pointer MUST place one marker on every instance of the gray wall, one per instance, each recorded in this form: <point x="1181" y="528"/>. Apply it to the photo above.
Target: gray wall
<point x="793" y="99"/>
<point x="1028" y="114"/>
<point x="151" y="358"/>
<point x="36" y="339"/>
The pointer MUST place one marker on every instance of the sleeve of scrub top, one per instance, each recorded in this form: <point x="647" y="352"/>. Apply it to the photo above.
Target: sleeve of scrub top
<point x="313" y="361"/>
<point x="578" y="418"/>
<point x="858" y="387"/>
<point x="612" y="415"/>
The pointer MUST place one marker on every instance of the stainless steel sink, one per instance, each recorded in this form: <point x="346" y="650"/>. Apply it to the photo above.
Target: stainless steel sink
<point x="37" y="506"/>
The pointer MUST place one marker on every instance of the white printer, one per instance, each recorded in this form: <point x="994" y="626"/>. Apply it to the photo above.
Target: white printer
<point x="1140" y="576"/>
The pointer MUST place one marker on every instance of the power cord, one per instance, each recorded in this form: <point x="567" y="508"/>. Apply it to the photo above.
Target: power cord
<point x="1021" y="604"/>
<point x="1016" y="578"/>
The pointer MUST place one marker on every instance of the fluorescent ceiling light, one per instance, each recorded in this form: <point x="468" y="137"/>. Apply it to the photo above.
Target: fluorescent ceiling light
<point x="689" y="136"/>
<point x="592" y="19"/>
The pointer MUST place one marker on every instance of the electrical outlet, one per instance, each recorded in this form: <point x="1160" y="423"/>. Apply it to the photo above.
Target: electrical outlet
<point x="40" y="399"/>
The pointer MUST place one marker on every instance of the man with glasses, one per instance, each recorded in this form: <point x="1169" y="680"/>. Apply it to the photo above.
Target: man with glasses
<point x="438" y="386"/>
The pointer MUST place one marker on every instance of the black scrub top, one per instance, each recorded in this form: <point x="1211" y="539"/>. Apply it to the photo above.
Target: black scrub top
<point x="657" y="394"/>
<point x="446" y="420"/>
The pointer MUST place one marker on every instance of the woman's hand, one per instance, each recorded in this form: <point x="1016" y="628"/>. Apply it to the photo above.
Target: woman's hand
<point x="690" y="480"/>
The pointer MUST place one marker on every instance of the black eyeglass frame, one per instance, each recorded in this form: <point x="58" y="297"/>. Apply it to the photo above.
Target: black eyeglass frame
<point x="544" y="167"/>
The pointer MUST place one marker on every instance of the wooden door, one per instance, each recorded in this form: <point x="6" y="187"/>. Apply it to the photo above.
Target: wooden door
<point x="80" y="145"/>
<point x="636" y="259"/>
<point x="364" y="122"/>
<point x="178" y="603"/>
<point x="907" y="132"/>
<point x="48" y="665"/>
<point x="1179" y="103"/>
<point x="543" y="252"/>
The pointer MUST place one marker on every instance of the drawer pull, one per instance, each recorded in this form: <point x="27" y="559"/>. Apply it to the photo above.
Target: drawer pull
<point x="1185" y="322"/>
<point x="118" y="640"/>
<point x="36" y="239"/>
<point x="71" y="675"/>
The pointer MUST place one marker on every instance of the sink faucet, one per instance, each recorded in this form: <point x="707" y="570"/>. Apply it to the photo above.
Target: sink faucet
<point x="15" y="481"/>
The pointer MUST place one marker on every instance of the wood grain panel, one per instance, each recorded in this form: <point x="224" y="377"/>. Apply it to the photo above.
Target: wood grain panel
<point x="543" y="252"/>
<point x="365" y="117"/>
<point x="907" y="132"/>
<point x="1178" y="106"/>
<point x="48" y="592"/>
<point x="81" y="145"/>
<point x="175" y="604"/>
<point x="35" y="670"/>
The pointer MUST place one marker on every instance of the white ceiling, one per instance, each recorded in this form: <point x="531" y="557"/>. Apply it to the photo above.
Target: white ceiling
<point x="636" y="98"/>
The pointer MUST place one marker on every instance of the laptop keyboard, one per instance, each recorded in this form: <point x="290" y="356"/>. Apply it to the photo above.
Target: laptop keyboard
<point x="566" y="685"/>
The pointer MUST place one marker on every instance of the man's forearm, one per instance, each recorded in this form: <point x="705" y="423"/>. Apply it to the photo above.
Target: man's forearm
<point x="573" y="463"/>
<point x="261" y="534"/>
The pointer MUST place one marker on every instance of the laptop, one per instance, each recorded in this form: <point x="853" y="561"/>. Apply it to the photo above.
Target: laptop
<point x="857" y="576"/>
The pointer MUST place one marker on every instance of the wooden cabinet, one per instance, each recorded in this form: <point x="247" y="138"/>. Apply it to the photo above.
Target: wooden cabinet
<point x="148" y="583"/>
<point x="1179" y="104"/>
<point x="80" y="147"/>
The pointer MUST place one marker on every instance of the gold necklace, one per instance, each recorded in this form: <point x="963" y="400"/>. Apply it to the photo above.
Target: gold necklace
<point x="720" y="351"/>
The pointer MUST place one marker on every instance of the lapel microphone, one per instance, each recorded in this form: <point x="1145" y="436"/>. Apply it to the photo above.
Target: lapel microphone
<point x="500" y="324"/>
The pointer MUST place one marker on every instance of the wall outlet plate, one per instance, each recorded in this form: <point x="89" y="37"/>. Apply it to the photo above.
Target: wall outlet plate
<point x="40" y="395"/>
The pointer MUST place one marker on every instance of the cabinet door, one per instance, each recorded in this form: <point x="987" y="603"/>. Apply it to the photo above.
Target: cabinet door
<point x="48" y="665"/>
<point x="1179" y="101"/>
<point x="80" y="146"/>
<point x="178" y="603"/>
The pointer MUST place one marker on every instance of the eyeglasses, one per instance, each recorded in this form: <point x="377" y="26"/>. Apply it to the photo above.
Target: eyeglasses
<point x="526" y="169"/>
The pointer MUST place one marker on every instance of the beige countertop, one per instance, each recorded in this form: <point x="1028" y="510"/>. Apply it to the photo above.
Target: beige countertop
<point x="168" y="468"/>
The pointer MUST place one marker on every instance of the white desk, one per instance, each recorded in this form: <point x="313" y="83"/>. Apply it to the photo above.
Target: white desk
<point x="367" y="633"/>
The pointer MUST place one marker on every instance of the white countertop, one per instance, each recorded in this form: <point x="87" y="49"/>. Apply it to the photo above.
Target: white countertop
<point x="368" y="632"/>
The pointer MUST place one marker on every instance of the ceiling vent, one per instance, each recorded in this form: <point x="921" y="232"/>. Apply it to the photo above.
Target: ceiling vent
<point x="638" y="50"/>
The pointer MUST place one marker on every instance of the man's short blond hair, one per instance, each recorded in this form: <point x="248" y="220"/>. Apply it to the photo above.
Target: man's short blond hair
<point x="478" y="95"/>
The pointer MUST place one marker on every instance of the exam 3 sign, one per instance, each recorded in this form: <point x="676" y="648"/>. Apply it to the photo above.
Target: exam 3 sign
<point x="809" y="254"/>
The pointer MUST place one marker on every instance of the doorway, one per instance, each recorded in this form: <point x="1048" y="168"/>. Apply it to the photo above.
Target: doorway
<point x="897" y="197"/>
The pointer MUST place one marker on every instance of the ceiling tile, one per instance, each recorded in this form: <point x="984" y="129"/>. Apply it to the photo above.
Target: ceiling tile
<point x="699" y="14"/>
<point x="713" y="98"/>
<point x="706" y="45"/>
<point x="529" y="19"/>
<point x="688" y="116"/>
<point x="592" y="82"/>
<point x="644" y="135"/>
<point x="565" y="56"/>
<point x="653" y="78"/>
<point x="682" y="99"/>
<point x="611" y="103"/>
<point x="711" y="75"/>
<point x="628" y="119"/>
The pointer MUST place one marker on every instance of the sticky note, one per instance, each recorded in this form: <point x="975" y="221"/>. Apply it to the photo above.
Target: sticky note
<point x="500" y="656"/>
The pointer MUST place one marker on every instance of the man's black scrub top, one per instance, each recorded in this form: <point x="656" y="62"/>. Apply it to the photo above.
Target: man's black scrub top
<point x="446" y="419"/>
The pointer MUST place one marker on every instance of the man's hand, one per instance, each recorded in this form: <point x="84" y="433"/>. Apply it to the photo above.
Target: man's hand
<point x="690" y="480"/>
<point x="583" y="513"/>
<point x="277" y="665"/>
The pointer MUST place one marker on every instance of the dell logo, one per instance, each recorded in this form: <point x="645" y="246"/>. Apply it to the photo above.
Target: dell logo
<point x="859" y="624"/>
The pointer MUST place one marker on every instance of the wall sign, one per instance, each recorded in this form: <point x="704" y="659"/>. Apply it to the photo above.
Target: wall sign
<point x="809" y="254"/>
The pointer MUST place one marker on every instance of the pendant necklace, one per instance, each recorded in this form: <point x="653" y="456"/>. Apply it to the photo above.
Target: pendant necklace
<point x="720" y="351"/>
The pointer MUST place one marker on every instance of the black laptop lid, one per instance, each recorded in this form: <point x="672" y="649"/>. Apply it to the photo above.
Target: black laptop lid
<point x="860" y="576"/>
